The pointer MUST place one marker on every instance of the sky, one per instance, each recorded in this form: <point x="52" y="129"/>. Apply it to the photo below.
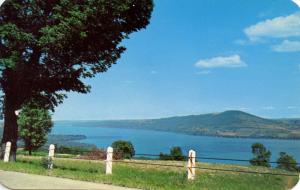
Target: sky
<point x="201" y="56"/>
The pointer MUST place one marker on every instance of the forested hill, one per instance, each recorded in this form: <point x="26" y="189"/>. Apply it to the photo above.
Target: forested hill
<point x="227" y="124"/>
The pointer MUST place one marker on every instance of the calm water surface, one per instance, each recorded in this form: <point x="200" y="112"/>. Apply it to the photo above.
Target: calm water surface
<point x="154" y="142"/>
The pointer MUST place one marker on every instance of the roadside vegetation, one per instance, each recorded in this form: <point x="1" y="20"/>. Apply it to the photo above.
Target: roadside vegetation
<point x="87" y="164"/>
<point x="155" y="177"/>
<point x="175" y="154"/>
<point x="261" y="157"/>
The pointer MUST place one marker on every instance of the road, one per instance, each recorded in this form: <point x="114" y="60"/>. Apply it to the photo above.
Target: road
<point x="16" y="180"/>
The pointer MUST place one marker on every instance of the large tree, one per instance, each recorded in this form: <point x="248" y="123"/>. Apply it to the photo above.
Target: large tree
<point x="48" y="46"/>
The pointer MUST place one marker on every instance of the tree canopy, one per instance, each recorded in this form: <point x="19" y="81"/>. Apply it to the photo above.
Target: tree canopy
<point x="126" y="148"/>
<point x="175" y="154"/>
<point x="261" y="155"/>
<point x="287" y="162"/>
<point x="48" y="46"/>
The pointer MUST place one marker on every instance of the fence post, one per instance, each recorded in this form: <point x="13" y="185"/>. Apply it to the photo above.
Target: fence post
<point x="109" y="159"/>
<point x="191" y="165"/>
<point x="7" y="151"/>
<point x="50" y="156"/>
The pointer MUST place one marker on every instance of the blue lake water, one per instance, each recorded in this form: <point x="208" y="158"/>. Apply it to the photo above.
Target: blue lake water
<point x="154" y="142"/>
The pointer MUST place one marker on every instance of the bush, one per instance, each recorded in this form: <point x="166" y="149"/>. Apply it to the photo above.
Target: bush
<point x="287" y="162"/>
<point x="163" y="156"/>
<point x="71" y="150"/>
<point x="261" y="155"/>
<point x="175" y="154"/>
<point x="124" y="147"/>
<point x="47" y="162"/>
<point x="100" y="154"/>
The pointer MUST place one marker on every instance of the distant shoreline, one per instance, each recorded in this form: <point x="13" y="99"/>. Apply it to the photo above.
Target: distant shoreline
<point x="229" y="124"/>
<point x="234" y="137"/>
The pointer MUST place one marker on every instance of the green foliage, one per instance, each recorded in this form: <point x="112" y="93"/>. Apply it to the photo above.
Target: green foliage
<point x="71" y="150"/>
<point x="34" y="125"/>
<point x="50" y="46"/>
<point x="261" y="155"/>
<point x="287" y="162"/>
<point x="125" y="147"/>
<point x="175" y="154"/>
<point x="47" y="162"/>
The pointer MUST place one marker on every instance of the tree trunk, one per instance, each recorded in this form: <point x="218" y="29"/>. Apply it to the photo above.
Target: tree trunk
<point x="10" y="132"/>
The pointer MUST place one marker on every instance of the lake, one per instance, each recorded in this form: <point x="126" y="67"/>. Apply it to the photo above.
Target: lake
<point x="154" y="142"/>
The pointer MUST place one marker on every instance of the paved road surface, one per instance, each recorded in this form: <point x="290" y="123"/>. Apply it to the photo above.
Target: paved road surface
<point x="16" y="180"/>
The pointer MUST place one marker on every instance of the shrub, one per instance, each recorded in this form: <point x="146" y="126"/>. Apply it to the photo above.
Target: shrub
<point x="163" y="156"/>
<point x="286" y="162"/>
<point x="261" y="155"/>
<point x="71" y="150"/>
<point x="100" y="154"/>
<point x="47" y="162"/>
<point x="175" y="154"/>
<point x="124" y="147"/>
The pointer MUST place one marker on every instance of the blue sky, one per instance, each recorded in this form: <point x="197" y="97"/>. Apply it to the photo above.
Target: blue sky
<point x="201" y="56"/>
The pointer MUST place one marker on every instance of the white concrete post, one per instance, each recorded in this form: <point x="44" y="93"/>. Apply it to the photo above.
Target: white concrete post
<point x="191" y="165"/>
<point x="109" y="159"/>
<point x="7" y="151"/>
<point x="51" y="155"/>
<point x="51" y="150"/>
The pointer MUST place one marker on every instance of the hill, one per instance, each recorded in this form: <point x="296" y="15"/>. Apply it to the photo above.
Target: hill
<point x="226" y="124"/>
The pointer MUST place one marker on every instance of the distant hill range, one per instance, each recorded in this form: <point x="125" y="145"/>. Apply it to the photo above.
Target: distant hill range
<point x="225" y="124"/>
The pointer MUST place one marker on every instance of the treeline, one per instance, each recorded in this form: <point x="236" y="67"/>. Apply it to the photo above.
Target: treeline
<point x="261" y="157"/>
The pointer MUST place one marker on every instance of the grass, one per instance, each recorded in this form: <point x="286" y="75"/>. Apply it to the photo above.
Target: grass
<point x="155" y="177"/>
<point x="43" y="153"/>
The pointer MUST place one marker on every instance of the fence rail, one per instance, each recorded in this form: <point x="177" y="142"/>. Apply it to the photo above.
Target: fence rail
<point x="224" y="159"/>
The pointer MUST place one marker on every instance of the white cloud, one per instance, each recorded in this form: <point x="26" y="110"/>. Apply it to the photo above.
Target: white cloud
<point x="279" y="27"/>
<point x="287" y="46"/>
<point x="232" y="61"/>
<point x="297" y="2"/>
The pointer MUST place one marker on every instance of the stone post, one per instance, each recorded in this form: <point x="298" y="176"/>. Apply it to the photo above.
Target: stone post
<point x="7" y="151"/>
<point x="191" y="165"/>
<point x="51" y="156"/>
<point x="109" y="159"/>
